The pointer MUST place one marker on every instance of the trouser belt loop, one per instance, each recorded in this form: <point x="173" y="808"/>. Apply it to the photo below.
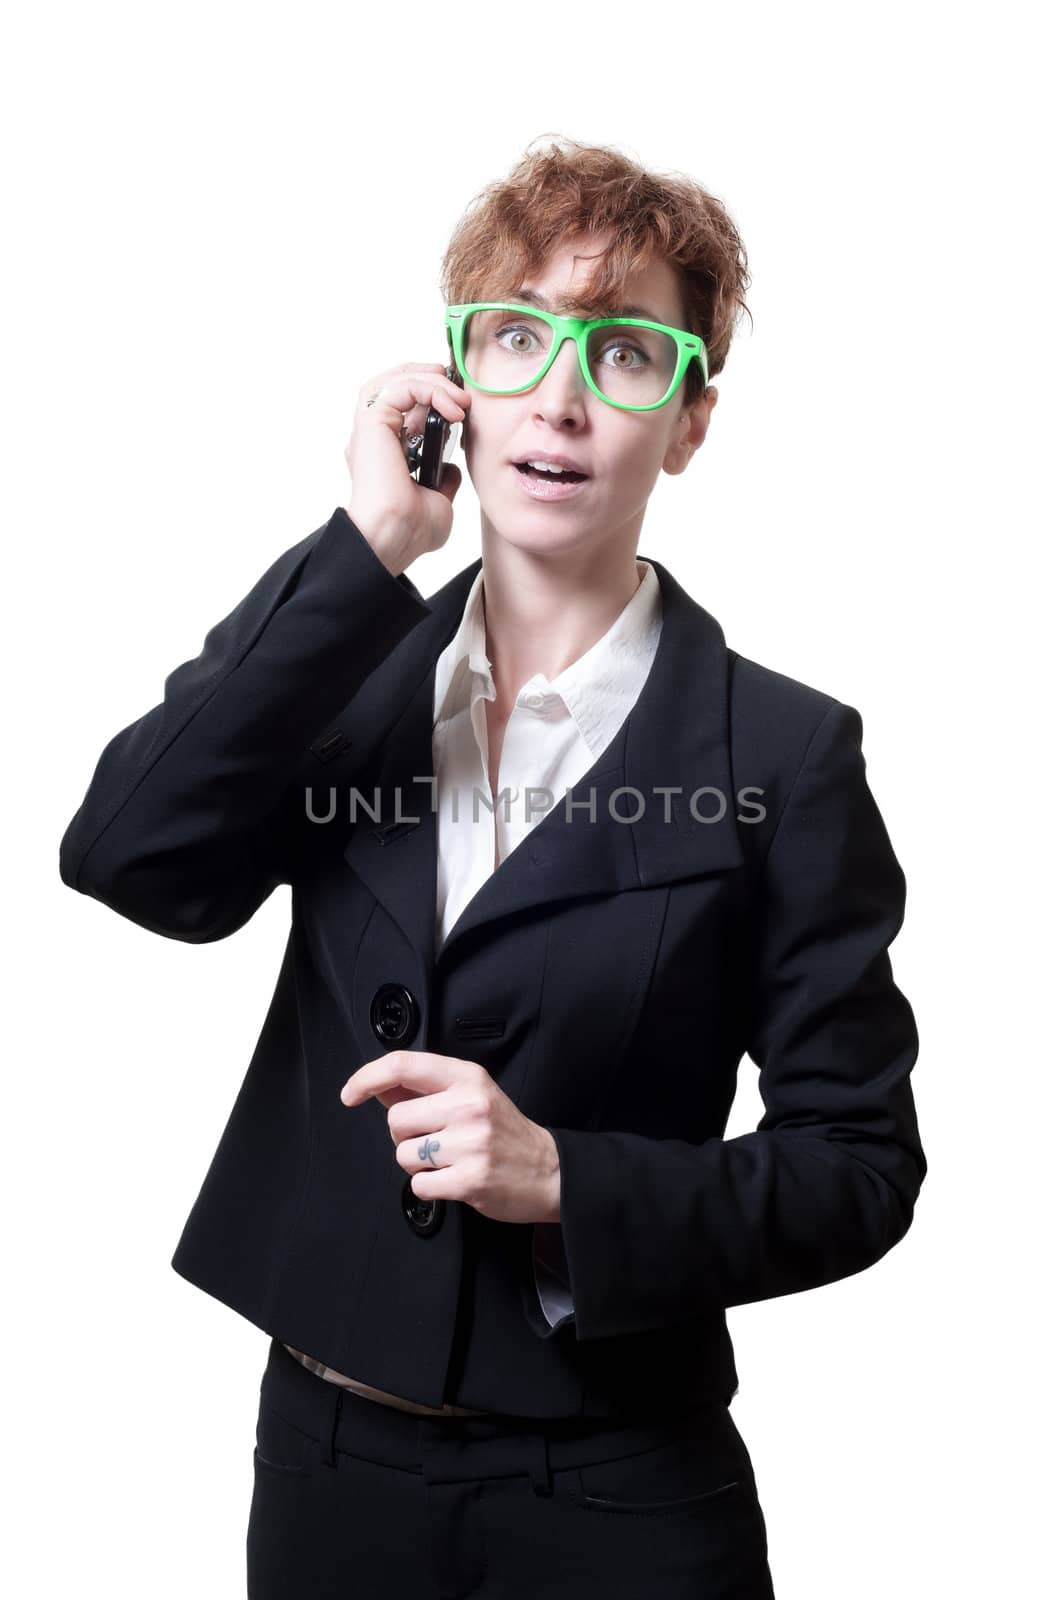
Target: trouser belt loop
<point x="539" y="1464"/>
<point x="332" y="1417"/>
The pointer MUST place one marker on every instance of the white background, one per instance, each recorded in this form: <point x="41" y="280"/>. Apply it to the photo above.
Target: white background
<point x="214" y="215"/>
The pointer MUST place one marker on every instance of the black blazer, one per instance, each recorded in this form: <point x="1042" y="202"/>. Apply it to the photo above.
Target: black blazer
<point x="610" y="975"/>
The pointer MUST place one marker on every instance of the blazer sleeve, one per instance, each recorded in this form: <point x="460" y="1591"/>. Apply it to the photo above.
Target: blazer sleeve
<point x="656" y="1232"/>
<point x="184" y="826"/>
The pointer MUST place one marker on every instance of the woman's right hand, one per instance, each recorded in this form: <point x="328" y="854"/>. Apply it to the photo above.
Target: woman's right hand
<point x="398" y="517"/>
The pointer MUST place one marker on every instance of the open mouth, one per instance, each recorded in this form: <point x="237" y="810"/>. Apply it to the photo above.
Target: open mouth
<point x="550" y="477"/>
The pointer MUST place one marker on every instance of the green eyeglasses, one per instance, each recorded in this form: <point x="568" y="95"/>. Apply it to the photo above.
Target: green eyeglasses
<point x="503" y="348"/>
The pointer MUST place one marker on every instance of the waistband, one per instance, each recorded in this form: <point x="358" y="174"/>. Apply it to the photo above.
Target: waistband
<point x="455" y="1449"/>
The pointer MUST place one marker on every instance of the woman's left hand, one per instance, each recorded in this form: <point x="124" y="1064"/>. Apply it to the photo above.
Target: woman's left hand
<point x="460" y="1137"/>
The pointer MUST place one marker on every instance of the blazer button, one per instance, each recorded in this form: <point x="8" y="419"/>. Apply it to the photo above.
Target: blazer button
<point x="394" y="1014"/>
<point x="424" y="1216"/>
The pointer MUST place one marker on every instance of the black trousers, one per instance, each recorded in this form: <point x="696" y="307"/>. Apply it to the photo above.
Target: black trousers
<point x="359" y="1500"/>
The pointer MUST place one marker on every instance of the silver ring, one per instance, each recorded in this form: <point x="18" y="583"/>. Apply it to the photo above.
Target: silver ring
<point x="426" y="1150"/>
<point x="373" y="397"/>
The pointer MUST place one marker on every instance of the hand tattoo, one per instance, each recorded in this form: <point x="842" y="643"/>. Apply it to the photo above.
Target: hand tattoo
<point x="425" y="1151"/>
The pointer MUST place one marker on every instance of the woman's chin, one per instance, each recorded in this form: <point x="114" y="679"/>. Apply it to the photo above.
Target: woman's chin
<point x="535" y="534"/>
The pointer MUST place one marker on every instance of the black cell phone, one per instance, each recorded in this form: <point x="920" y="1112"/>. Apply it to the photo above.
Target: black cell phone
<point x="428" y="453"/>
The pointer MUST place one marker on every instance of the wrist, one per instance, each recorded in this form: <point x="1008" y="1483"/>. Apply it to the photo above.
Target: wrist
<point x="552" y="1180"/>
<point x="390" y="548"/>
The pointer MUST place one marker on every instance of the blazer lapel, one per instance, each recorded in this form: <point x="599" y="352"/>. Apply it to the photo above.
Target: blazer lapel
<point x="675" y="737"/>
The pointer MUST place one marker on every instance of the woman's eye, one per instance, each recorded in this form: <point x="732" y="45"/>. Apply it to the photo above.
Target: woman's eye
<point x="524" y="334"/>
<point x="637" y="356"/>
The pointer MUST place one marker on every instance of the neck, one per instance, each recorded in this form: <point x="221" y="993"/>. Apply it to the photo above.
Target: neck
<point x="543" y="610"/>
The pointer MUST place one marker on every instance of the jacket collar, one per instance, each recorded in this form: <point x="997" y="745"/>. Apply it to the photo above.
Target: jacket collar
<point x="676" y="735"/>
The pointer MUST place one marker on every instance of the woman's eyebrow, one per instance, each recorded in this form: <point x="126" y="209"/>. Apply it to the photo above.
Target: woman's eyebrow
<point x="534" y="298"/>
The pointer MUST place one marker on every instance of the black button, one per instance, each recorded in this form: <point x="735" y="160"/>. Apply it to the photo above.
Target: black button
<point x="394" y="1014"/>
<point x="424" y="1216"/>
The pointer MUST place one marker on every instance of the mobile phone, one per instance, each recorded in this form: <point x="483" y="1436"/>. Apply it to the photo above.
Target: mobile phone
<point x="427" y="453"/>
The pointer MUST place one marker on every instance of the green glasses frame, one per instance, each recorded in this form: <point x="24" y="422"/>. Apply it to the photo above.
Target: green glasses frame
<point x="691" y="346"/>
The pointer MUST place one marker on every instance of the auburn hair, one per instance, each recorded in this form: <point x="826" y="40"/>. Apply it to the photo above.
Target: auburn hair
<point x="509" y="229"/>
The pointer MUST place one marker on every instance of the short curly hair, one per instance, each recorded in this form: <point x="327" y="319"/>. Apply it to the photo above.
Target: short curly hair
<point x="509" y="229"/>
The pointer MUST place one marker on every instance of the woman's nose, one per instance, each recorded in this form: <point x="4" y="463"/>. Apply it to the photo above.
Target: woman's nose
<point x="564" y="383"/>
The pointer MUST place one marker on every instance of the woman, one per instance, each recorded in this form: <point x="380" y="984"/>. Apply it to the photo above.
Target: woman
<point x="475" y="1184"/>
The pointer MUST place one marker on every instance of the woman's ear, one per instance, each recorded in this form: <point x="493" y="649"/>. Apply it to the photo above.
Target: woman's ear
<point x="694" y="424"/>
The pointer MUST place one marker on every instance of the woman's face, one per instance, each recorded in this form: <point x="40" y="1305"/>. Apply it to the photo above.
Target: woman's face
<point x="622" y="451"/>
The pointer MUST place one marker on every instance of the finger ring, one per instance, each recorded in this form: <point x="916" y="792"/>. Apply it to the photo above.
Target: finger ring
<point x="426" y="1150"/>
<point x="375" y="395"/>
